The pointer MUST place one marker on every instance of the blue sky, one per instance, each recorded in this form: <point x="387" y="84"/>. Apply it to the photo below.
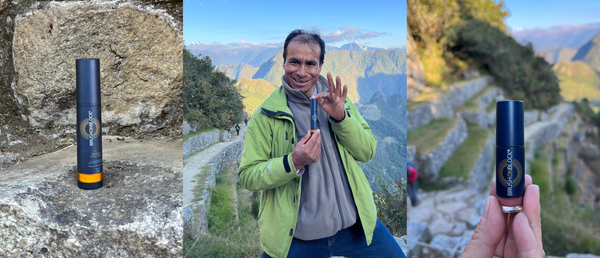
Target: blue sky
<point x="376" y="24"/>
<point x="543" y="14"/>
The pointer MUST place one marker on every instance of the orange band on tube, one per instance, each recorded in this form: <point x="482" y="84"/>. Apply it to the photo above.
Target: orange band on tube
<point x="89" y="178"/>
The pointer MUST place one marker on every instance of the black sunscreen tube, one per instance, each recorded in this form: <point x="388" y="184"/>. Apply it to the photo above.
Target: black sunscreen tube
<point x="89" y="124"/>
<point x="313" y="116"/>
<point x="510" y="152"/>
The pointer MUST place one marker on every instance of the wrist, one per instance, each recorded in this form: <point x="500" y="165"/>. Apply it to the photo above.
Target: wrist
<point x="296" y="162"/>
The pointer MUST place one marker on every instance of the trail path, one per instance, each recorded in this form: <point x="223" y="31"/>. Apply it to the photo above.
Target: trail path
<point x="193" y="164"/>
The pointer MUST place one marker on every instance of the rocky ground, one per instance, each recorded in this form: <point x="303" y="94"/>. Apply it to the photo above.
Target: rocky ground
<point x="136" y="213"/>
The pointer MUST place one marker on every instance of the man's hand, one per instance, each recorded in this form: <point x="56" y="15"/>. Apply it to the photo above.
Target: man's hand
<point x="308" y="150"/>
<point x="524" y="238"/>
<point x="333" y="102"/>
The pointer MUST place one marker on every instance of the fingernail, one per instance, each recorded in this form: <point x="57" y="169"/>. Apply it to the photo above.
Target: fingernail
<point x="487" y="207"/>
<point x="524" y="216"/>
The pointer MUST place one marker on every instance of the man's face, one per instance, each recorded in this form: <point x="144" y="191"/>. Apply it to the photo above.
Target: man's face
<point x="302" y="66"/>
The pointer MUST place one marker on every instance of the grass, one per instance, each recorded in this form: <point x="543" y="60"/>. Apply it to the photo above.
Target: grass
<point x="566" y="227"/>
<point x="429" y="137"/>
<point x="227" y="237"/>
<point x="490" y="107"/>
<point x="200" y="186"/>
<point x="196" y="133"/>
<point x="471" y="104"/>
<point x="464" y="157"/>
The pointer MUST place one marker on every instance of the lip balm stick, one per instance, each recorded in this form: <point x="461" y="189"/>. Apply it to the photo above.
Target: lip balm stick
<point x="89" y="124"/>
<point x="510" y="155"/>
<point x="313" y="116"/>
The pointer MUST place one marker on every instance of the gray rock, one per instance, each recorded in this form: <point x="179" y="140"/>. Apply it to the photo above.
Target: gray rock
<point x="418" y="117"/>
<point x="402" y="243"/>
<point x="459" y="229"/>
<point x="440" y="224"/>
<point x="418" y="232"/>
<point x="225" y="136"/>
<point x="473" y="220"/>
<point x="582" y="256"/>
<point x="186" y="128"/>
<point x="444" y="242"/>
<point x="140" y="64"/>
<point x="137" y="213"/>
<point x="370" y="112"/>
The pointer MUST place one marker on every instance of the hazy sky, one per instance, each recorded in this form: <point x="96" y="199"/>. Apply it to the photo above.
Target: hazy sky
<point x="542" y="14"/>
<point x="376" y="24"/>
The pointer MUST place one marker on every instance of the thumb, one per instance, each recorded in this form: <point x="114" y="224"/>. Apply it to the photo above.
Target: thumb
<point x="489" y="231"/>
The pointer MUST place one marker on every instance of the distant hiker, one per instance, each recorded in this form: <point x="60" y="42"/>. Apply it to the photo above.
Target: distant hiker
<point x="246" y="121"/>
<point x="316" y="200"/>
<point x="237" y="128"/>
<point x="413" y="185"/>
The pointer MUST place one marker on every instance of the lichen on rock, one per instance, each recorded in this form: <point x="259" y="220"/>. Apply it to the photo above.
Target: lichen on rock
<point x="140" y="57"/>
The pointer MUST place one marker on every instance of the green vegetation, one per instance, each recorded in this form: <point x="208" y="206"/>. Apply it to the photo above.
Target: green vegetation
<point x="573" y="229"/>
<point x="391" y="205"/>
<point x="389" y="161"/>
<point x="590" y="53"/>
<point x="210" y="99"/>
<point x="464" y="157"/>
<point x="578" y="81"/>
<point x="255" y="92"/>
<point x="457" y="35"/>
<point x="521" y="73"/>
<point x="227" y="237"/>
<point x="429" y="137"/>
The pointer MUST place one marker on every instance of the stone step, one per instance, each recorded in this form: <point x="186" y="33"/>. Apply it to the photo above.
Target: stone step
<point x="475" y="111"/>
<point x="444" y="106"/>
<point x="428" y="160"/>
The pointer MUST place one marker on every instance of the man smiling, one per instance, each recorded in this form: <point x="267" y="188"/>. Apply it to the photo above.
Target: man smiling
<point x="316" y="201"/>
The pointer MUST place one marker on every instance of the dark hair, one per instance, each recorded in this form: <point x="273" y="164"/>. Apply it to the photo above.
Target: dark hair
<point x="305" y="37"/>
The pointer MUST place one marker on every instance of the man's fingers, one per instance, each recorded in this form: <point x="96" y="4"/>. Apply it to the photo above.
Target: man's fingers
<point x="330" y="82"/>
<point x="345" y="92"/>
<point x="488" y="233"/>
<point x="305" y="139"/>
<point x="338" y="86"/>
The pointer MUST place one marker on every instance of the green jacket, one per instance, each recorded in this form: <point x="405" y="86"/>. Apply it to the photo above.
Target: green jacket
<point x="267" y="166"/>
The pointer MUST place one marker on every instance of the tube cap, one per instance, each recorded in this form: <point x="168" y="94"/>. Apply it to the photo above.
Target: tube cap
<point x="509" y="123"/>
<point x="88" y="81"/>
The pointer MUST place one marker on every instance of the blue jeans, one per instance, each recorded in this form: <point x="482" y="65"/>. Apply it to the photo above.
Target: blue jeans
<point x="349" y="242"/>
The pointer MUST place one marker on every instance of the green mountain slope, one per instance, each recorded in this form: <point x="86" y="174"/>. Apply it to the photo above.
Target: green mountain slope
<point x="555" y="55"/>
<point x="387" y="118"/>
<point x="590" y="53"/>
<point x="255" y="91"/>
<point x="577" y="81"/>
<point x="364" y="72"/>
<point x="238" y="71"/>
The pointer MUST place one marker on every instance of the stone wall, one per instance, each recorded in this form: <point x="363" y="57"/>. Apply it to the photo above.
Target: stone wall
<point x="480" y="116"/>
<point x="429" y="164"/>
<point x="483" y="169"/>
<point x="200" y="142"/>
<point x="530" y="117"/>
<point x="446" y="105"/>
<point x="195" y="214"/>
